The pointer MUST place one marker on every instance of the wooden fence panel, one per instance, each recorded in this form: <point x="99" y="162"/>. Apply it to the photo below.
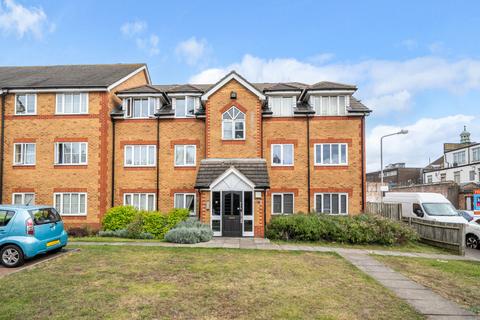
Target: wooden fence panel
<point x="450" y="236"/>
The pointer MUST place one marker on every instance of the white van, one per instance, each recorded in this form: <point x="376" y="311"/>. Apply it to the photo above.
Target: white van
<point x="424" y="205"/>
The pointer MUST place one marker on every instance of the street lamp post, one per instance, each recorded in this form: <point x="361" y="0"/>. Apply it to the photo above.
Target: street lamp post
<point x="403" y="131"/>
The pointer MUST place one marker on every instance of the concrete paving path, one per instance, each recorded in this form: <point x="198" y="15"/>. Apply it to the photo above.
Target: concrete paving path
<point x="421" y="298"/>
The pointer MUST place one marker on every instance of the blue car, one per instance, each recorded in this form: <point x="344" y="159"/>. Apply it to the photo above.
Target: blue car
<point x="26" y="231"/>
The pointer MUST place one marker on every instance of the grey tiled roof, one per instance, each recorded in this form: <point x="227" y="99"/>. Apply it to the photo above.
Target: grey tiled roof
<point x="328" y="85"/>
<point x="66" y="76"/>
<point x="141" y="89"/>
<point x="357" y="106"/>
<point x="254" y="169"/>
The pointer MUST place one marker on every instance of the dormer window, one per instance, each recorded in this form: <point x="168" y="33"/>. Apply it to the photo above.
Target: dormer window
<point x="233" y="124"/>
<point x="329" y="105"/>
<point x="185" y="106"/>
<point x="140" y="108"/>
<point x="282" y="106"/>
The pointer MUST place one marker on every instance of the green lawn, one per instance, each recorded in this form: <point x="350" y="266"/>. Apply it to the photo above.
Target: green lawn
<point x="455" y="280"/>
<point x="409" y="247"/>
<point x="103" y="282"/>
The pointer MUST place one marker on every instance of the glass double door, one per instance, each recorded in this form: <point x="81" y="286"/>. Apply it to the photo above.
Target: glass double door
<point x="232" y="213"/>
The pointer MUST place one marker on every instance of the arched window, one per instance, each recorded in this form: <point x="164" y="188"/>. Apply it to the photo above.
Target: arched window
<point x="233" y="124"/>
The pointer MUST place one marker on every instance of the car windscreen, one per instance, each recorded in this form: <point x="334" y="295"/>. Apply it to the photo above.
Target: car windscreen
<point x="44" y="215"/>
<point x="440" y="209"/>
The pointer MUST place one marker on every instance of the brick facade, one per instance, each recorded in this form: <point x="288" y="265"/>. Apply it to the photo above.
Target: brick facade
<point x="95" y="178"/>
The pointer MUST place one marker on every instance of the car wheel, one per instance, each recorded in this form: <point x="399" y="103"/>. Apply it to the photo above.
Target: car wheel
<point x="472" y="241"/>
<point x="12" y="256"/>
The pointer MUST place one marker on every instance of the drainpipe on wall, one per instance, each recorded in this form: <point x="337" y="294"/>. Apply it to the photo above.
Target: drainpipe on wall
<point x="158" y="164"/>
<point x="308" y="162"/>
<point x="2" y="143"/>
<point x="113" y="164"/>
<point x="363" y="164"/>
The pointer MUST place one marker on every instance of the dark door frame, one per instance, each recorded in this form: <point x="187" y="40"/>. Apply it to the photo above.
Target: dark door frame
<point x="232" y="215"/>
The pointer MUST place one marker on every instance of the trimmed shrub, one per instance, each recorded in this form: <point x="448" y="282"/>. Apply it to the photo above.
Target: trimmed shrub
<point x="118" y="217"/>
<point x="123" y="233"/>
<point x="83" y="231"/>
<point x="158" y="224"/>
<point x="360" y="229"/>
<point x="190" y="231"/>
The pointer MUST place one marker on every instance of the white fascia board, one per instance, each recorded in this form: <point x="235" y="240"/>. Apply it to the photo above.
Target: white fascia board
<point x="233" y="75"/>
<point x="128" y="95"/>
<point x="180" y="94"/>
<point x="328" y="92"/>
<point x="113" y="85"/>
<point x="33" y="90"/>
<point x="240" y="175"/>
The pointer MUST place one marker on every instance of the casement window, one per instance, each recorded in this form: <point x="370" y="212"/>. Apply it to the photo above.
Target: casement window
<point x="185" y="155"/>
<point x="26" y="104"/>
<point x="23" y="154"/>
<point x="140" y="108"/>
<point x="331" y="154"/>
<point x="282" y="154"/>
<point x="331" y="203"/>
<point x="141" y="201"/>
<point x="185" y="106"/>
<point x="71" y="203"/>
<point x="329" y="105"/>
<point x="71" y="153"/>
<point x="23" y="198"/>
<point x="456" y="176"/>
<point x="429" y="179"/>
<point x="72" y="103"/>
<point x="233" y="124"/>
<point x="459" y="158"/>
<point x="476" y="154"/>
<point x="282" y="106"/>
<point x="185" y="201"/>
<point x="443" y="177"/>
<point x="472" y="175"/>
<point x="282" y="203"/>
<point x="140" y="155"/>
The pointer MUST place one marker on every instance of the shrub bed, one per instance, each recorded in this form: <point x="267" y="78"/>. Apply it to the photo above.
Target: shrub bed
<point x="190" y="231"/>
<point x="360" y="229"/>
<point x="82" y="231"/>
<point x="128" y="222"/>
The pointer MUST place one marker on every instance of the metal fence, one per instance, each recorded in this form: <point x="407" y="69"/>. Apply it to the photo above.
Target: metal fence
<point x="450" y="236"/>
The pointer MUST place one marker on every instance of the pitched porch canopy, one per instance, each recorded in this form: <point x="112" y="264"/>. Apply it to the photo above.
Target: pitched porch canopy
<point x="252" y="171"/>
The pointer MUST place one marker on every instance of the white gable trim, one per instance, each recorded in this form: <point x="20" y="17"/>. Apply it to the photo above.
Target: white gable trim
<point x="113" y="85"/>
<point x="235" y="172"/>
<point x="225" y="80"/>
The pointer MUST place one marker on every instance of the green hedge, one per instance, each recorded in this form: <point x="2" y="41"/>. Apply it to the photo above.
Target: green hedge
<point x="135" y="224"/>
<point x="360" y="229"/>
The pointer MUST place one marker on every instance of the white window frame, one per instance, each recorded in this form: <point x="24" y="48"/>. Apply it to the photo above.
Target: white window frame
<point x="134" y="147"/>
<point x="80" y="163"/>
<point x="457" y="155"/>
<point x="429" y="178"/>
<point x="146" y="194"/>
<point x="283" y="203"/>
<point x="282" y="155"/>
<point x="457" y="174"/>
<point x="196" y="104"/>
<point x="60" y="109"/>
<point x="23" y="195"/>
<point x="340" y="194"/>
<point x="23" y="154"/>
<point x="184" y="162"/>
<point x="233" y="121"/>
<point x="320" y="163"/>
<point x="128" y="107"/>
<point x="184" y="195"/>
<point x="26" y="94"/>
<point x="476" y="154"/>
<point x="317" y="104"/>
<point x="62" y="195"/>
<point x="283" y="99"/>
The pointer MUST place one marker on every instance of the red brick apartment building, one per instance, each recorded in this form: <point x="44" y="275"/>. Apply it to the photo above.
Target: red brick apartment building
<point x="85" y="138"/>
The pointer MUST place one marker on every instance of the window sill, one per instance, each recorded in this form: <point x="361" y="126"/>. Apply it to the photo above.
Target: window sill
<point x="194" y="167"/>
<point x="70" y="166"/>
<point x="79" y="215"/>
<point x="286" y="167"/>
<point x="25" y="115"/>
<point x="238" y="141"/>
<point x="23" y="166"/>
<point x="331" y="167"/>
<point x="138" y="167"/>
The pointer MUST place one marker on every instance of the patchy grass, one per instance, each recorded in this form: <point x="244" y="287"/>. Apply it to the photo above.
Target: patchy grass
<point x="102" y="282"/>
<point x="409" y="247"/>
<point x="453" y="279"/>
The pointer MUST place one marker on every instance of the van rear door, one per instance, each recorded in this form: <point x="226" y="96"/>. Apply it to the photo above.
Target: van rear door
<point x="47" y="223"/>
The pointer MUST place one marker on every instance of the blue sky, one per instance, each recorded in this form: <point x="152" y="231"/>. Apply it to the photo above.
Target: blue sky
<point x="416" y="63"/>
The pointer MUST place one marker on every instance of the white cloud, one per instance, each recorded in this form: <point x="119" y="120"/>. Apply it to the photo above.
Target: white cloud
<point x="137" y="30"/>
<point x="424" y="140"/>
<point x="130" y="29"/>
<point x="20" y="20"/>
<point x="387" y="85"/>
<point x="410" y="44"/>
<point x="191" y="50"/>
